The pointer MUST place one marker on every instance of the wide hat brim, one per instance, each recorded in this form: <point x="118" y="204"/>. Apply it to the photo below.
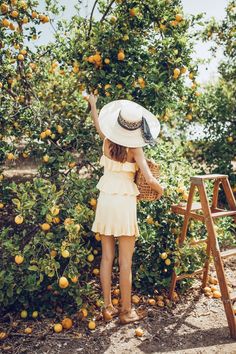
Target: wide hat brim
<point x="113" y="131"/>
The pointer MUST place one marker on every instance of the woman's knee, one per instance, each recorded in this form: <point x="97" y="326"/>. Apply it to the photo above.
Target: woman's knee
<point x="124" y="263"/>
<point x="108" y="257"/>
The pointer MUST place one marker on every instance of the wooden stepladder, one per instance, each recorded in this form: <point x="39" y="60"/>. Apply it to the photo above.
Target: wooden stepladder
<point x="207" y="215"/>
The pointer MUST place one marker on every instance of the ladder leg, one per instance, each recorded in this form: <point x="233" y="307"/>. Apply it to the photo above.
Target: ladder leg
<point x="186" y="216"/>
<point x="217" y="261"/>
<point x="208" y="250"/>
<point x="183" y="235"/>
<point x="215" y="193"/>
<point x="206" y="265"/>
<point x="229" y="195"/>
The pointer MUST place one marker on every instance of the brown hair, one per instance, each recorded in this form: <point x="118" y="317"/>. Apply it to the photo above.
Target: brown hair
<point x="117" y="152"/>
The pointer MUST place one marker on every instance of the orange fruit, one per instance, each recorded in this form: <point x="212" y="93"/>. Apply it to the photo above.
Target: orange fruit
<point x="93" y="202"/>
<point x="133" y="11"/>
<point x="74" y="279"/>
<point x="1" y="205"/>
<point x="19" y="219"/>
<point x="183" y="70"/>
<point x="4" y="8"/>
<point x="63" y="282"/>
<point x="59" y="129"/>
<point x="91" y="325"/>
<point x="90" y="257"/>
<point x="43" y="135"/>
<point x="176" y="72"/>
<point x="5" y="22"/>
<point x="120" y="55"/>
<point x="216" y="294"/>
<point x="55" y="210"/>
<point x="107" y="61"/>
<point x="53" y="253"/>
<point x="28" y="330"/>
<point x="10" y="156"/>
<point x="65" y="254"/>
<point x="67" y="323"/>
<point x="23" y="314"/>
<point x="19" y="259"/>
<point x="164" y="255"/>
<point x="34" y="14"/>
<point x="45" y="158"/>
<point x="48" y="132"/>
<point x="178" y="17"/>
<point x="116" y="292"/>
<point x="152" y="302"/>
<point x="35" y="314"/>
<point x="68" y="221"/>
<point x="167" y="261"/>
<point x="45" y="226"/>
<point x="95" y="271"/>
<point x="84" y="312"/>
<point x="57" y="328"/>
<point x="139" y="332"/>
<point x="97" y="237"/>
<point x="115" y="301"/>
<point x="213" y="288"/>
<point x="3" y="335"/>
<point x="207" y="289"/>
<point x="14" y="14"/>
<point x="20" y="57"/>
<point x="135" y="299"/>
<point x="160" y="303"/>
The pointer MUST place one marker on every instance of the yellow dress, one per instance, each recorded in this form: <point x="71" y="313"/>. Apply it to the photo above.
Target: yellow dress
<point x="116" y="210"/>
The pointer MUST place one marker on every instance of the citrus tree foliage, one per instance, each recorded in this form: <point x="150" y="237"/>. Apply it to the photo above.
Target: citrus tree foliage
<point x="139" y="50"/>
<point x="217" y="105"/>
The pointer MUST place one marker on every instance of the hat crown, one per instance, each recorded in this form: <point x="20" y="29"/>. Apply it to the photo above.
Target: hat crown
<point x="131" y="112"/>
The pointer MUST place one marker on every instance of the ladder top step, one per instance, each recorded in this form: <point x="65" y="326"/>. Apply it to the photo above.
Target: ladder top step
<point x="210" y="176"/>
<point x="228" y="253"/>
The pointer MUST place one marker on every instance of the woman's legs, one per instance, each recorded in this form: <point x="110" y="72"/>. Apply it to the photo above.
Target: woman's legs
<point x="126" y="250"/>
<point x="108" y="254"/>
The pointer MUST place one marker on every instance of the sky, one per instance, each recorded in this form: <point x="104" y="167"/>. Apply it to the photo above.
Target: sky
<point x="211" y="8"/>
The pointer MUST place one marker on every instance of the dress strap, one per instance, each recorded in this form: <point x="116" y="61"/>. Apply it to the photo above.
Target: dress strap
<point x="103" y="144"/>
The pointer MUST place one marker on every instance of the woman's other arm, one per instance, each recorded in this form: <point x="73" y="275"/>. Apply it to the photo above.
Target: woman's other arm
<point x="142" y="163"/>
<point x="92" y="100"/>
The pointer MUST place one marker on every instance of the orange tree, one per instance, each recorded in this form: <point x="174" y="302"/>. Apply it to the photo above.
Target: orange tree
<point x="216" y="110"/>
<point x="138" y="50"/>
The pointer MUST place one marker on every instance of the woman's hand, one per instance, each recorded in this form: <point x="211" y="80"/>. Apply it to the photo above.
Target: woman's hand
<point x="92" y="100"/>
<point x="160" y="191"/>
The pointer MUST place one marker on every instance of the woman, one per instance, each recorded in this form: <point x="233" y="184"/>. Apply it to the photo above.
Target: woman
<point x="125" y="128"/>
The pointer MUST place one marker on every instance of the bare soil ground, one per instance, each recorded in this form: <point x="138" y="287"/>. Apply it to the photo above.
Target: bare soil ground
<point x="196" y="324"/>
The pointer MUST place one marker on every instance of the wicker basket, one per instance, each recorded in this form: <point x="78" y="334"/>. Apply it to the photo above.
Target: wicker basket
<point x="146" y="192"/>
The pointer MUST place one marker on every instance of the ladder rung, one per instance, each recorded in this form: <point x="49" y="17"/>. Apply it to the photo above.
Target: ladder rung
<point x="228" y="253"/>
<point x="189" y="275"/>
<point x="218" y="214"/>
<point x="181" y="211"/>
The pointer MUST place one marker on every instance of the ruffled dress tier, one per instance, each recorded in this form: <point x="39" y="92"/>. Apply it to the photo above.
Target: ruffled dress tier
<point x="116" y="210"/>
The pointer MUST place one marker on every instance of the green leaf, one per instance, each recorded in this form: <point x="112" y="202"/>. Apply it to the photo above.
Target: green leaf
<point x="33" y="268"/>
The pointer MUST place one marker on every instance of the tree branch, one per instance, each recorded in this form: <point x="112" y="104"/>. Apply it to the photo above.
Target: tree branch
<point x="90" y="19"/>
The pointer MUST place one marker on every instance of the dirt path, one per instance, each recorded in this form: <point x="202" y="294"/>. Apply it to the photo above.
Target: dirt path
<point x="196" y="324"/>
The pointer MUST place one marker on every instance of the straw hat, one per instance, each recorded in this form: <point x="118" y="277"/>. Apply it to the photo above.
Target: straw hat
<point x="129" y="124"/>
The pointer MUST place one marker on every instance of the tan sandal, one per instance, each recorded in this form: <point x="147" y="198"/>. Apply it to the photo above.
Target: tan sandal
<point x="128" y="316"/>
<point x="108" y="312"/>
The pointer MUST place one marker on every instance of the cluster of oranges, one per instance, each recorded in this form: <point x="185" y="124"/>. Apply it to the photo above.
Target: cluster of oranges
<point x="14" y="12"/>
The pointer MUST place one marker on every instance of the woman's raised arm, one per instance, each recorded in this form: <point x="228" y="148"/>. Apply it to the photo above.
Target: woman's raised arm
<point x="92" y="100"/>
<point x="142" y="163"/>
